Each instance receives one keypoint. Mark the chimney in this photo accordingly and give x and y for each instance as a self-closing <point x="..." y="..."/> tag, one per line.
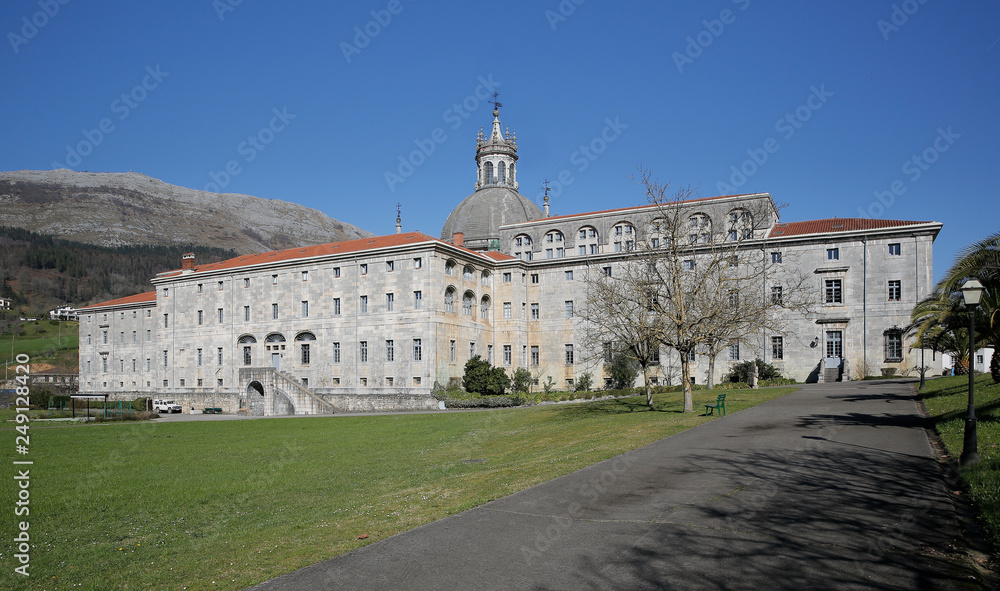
<point x="187" y="260"/>
<point x="458" y="239"/>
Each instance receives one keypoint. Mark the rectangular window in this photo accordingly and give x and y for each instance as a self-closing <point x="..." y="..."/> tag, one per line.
<point x="274" y="279"/>
<point x="506" y="277"/>
<point x="534" y="311"/>
<point x="218" y="356"/>
<point x="418" y="300"/>
<point x="364" y="304"/>
<point x="305" y="276"/>
<point x="560" y="252"/>
<point x="418" y="350"/>
<point x="607" y="271"/>
<point x="390" y="266"/>
<point x="246" y="283"/>
<point x="166" y="293"/>
<point x="534" y="355"/>
<point x="165" y="358"/>
<point x="364" y="352"/>
<point x="654" y="355"/>
<point x="569" y="354"/>
<point x="104" y="337"/>
<point x="364" y="268"/>
<point x="895" y="249"/>
<point x="777" y="347"/>
<point x="121" y="337"/>
<point x="304" y="353"/>
<point x="489" y="354"/>
<point x="336" y="352"/>
<point x="305" y="308"/>
<point x="220" y="285"/>
<point x="336" y="306"/>
<point x="221" y="315"/>
<point x="833" y="254"/>
<point x="734" y="352"/>
<point x="149" y="364"/>
<point x="895" y="290"/>
<point x="834" y="343"/>
<point x="247" y="356"/>
<point x="524" y="355"/>
<point x="246" y="313"/>
<point x="893" y="346"/>
<point x="390" y="350"/>
<point x="274" y="311"/>
<point x="418" y="263"/>
<point x="149" y="336"/>
<point x="472" y="349"/>
<point x="506" y="355"/>
<point x="534" y="278"/>
<point x="390" y="299"/>
<point x="569" y="275"/>
<point x="833" y="292"/>
<point x="451" y="350"/>
<point x="199" y="357"/>
<point x="569" y="308"/>
<point x="776" y="295"/>
<point x="200" y="317"/>
<point x="775" y="257"/>
<point x="506" y="310"/>
<point x="336" y="272"/>
<point x="166" y="321"/>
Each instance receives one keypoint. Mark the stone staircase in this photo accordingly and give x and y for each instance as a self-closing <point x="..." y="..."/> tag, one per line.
<point x="283" y="394"/>
<point x="302" y="399"/>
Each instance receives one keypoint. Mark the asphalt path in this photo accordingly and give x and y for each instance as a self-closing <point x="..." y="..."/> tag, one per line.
<point x="836" y="486"/>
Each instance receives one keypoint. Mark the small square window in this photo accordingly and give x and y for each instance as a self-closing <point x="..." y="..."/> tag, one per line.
<point x="569" y="275"/>
<point x="534" y="278"/>
<point x="833" y="254"/>
<point x="506" y="277"/>
<point x="895" y="249"/>
<point x="418" y="263"/>
<point x="775" y="257"/>
<point x="390" y="266"/>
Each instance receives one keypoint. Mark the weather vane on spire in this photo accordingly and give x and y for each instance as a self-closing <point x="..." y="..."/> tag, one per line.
<point x="496" y="103"/>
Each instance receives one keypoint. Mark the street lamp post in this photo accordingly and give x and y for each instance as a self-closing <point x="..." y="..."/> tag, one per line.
<point x="972" y="292"/>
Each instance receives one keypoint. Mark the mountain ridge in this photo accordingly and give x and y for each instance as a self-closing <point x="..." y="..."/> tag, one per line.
<point x="129" y="208"/>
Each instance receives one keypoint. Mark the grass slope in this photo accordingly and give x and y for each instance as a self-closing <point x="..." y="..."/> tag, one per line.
<point x="41" y="337"/>
<point x="225" y="505"/>
<point x="946" y="400"/>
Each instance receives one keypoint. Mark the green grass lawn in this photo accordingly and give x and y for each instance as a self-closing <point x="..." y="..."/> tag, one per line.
<point x="947" y="400"/>
<point x="40" y="337"/>
<point x="225" y="505"/>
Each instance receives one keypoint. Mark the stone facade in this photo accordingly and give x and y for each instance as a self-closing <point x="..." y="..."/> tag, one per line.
<point x="377" y="324"/>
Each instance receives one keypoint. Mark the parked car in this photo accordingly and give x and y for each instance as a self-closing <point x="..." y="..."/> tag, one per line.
<point x="166" y="406"/>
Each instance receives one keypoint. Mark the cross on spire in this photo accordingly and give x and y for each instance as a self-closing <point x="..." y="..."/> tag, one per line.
<point x="496" y="103"/>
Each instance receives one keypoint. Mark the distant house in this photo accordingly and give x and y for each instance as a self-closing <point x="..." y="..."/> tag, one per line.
<point x="5" y="303"/>
<point x="55" y="380"/>
<point x="64" y="313"/>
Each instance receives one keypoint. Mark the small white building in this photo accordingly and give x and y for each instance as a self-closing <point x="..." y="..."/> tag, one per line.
<point x="981" y="362"/>
<point x="64" y="313"/>
<point x="5" y="303"/>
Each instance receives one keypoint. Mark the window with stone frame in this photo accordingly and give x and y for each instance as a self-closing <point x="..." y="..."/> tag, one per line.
<point x="893" y="345"/>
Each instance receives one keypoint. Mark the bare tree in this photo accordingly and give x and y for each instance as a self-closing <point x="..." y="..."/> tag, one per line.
<point x="692" y="281"/>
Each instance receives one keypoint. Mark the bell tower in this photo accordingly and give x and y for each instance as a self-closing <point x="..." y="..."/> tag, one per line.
<point x="496" y="157"/>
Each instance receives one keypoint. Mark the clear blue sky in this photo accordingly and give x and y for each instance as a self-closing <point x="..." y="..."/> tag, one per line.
<point x="839" y="97"/>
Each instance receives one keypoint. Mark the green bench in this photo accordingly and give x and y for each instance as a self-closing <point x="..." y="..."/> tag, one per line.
<point x="213" y="411"/>
<point x="720" y="404"/>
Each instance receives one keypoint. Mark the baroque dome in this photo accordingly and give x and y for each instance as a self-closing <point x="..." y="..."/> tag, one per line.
<point x="480" y="215"/>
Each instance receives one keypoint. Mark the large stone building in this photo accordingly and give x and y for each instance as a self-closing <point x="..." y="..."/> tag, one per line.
<point x="379" y="323"/>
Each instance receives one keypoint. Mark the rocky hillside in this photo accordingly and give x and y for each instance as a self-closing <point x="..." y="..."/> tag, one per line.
<point x="122" y="209"/>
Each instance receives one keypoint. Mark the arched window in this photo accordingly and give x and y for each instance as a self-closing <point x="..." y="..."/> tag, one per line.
<point x="449" y="300"/>
<point x="485" y="278"/>
<point x="275" y="337"/>
<point x="305" y="336"/>
<point x="740" y="225"/>
<point x="623" y="235"/>
<point x="502" y="172"/>
<point x="468" y="273"/>
<point x="449" y="268"/>
<point x="305" y="350"/>
<point x="489" y="173"/>
<point x="484" y="309"/>
<point x="246" y="342"/>
<point x="468" y="303"/>
<point x="588" y="241"/>
<point x="521" y="247"/>
<point x="512" y="177"/>
<point x="700" y="229"/>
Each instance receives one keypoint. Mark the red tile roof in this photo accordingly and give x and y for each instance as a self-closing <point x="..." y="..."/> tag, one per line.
<point x="634" y="207"/>
<point x="834" y="225"/>
<point x="497" y="255"/>
<point x="330" y="248"/>
<point x="141" y="298"/>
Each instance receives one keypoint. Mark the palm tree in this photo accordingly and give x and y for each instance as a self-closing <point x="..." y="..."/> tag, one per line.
<point x="942" y="312"/>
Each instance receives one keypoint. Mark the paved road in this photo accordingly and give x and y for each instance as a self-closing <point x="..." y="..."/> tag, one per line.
<point x="832" y="487"/>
